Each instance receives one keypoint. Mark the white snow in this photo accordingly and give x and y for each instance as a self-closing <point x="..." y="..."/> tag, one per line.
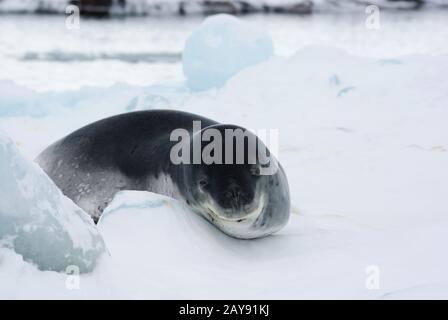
<point x="314" y="257"/>
<point x="220" y="47"/>
<point x="364" y="144"/>
<point x="38" y="222"/>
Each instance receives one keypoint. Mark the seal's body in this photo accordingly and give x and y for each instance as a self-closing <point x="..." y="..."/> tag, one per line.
<point x="133" y="151"/>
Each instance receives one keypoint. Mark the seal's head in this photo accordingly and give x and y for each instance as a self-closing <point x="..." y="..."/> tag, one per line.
<point x="236" y="183"/>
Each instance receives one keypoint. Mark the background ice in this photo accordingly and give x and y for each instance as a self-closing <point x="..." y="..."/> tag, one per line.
<point x="220" y="47"/>
<point x="38" y="222"/>
<point x="28" y="62"/>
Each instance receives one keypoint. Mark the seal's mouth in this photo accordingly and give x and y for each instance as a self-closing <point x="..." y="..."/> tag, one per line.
<point x="252" y="215"/>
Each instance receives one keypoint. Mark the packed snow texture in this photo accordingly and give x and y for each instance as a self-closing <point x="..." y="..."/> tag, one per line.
<point x="364" y="144"/>
<point x="220" y="47"/>
<point x="38" y="222"/>
<point x="313" y="257"/>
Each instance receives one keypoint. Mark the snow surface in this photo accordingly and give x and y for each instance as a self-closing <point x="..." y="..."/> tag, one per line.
<point x="38" y="222"/>
<point x="314" y="257"/>
<point x="220" y="47"/>
<point x="363" y="142"/>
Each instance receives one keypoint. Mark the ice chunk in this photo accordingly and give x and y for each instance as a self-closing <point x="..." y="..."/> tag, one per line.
<point x="163" y="227"/>
<point x="18" y="100"/>
<point x="38" y="221"/>
<point x="222" y="46"/>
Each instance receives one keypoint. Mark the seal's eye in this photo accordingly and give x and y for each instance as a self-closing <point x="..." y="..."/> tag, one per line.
<point x="255" y="170"/>
<point x="203" y="182"/>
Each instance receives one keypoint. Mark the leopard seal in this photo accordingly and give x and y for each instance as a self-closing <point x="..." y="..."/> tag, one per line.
<point x="134" y="151"/>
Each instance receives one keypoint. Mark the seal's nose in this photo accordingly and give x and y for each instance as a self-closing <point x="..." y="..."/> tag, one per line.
<point x="236" y="196"/>
<point x="234" y="192"/>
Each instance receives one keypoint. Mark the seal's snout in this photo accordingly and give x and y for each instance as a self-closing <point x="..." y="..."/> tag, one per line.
<point x="241" y="212"/>
<point x="236" y="198"/>
<point x="235" y="191"/>
<point x="235" y="201"/>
